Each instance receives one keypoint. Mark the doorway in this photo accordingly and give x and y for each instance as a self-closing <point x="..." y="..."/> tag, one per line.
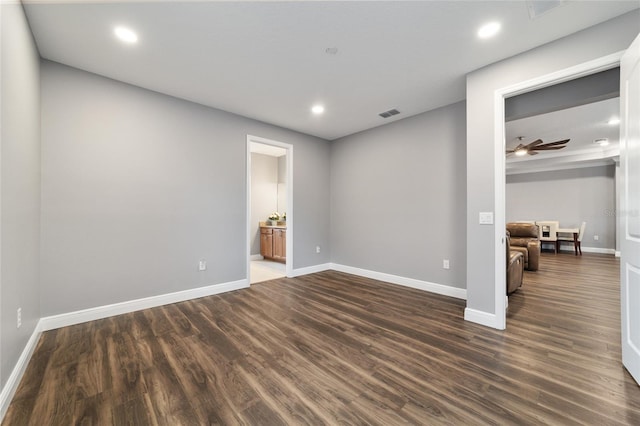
<point x="500" y="95"/>
<point x="269" y="197"/>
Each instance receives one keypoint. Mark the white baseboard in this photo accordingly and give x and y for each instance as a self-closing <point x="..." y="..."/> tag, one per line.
<point x="590" y="250"/>
<point x="256" y="257"/>
<point x="445" y="290"/>
<point x="482" y="318"/>
<point x="91" y="314"/>
<point x="311" y="269"/>
<point x="10" y="387"/>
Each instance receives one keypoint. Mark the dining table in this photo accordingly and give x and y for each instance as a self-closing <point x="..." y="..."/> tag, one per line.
<point x="574" y="231"/>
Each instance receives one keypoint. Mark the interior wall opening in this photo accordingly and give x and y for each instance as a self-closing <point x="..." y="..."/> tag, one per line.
<point x="269" y="206"/>
<point x="537" y="120"/>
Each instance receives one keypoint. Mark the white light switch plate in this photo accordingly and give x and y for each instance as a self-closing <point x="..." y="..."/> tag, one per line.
<point x="486" y="218"/>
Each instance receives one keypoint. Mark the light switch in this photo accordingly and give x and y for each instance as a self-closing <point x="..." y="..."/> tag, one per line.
<point x="486" y="218"/>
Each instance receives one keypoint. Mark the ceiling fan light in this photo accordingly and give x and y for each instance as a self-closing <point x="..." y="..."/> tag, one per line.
<point x="521" y="152"/>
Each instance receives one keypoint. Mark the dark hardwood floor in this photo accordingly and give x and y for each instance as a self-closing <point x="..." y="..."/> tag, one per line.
<point x="332" y="348"/>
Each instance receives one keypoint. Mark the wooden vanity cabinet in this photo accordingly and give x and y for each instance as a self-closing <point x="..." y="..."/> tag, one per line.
<point x="266" y="242"/>
<point x="273" y="243"/>
<point x="280" y="244"/>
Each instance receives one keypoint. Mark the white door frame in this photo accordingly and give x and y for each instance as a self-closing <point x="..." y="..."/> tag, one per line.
<point x="289" y="241"/>
<point x="630" y="235"/>
<point x="560" y="76"/>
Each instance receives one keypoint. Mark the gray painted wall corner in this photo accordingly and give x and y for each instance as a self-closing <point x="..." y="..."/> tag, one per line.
<point x="398" y="195"/>
<point x="20" y="192"/>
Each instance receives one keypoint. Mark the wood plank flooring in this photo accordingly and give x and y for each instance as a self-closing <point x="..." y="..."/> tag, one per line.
<point x="332" y="348"/>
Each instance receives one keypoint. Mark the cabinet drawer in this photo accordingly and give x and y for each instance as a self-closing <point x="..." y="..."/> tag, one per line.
<point x="266" y="231"/>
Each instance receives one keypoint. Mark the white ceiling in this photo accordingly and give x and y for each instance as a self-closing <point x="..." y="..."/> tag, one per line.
<point x="268" y="60"/>
<point x="582" y="124"/>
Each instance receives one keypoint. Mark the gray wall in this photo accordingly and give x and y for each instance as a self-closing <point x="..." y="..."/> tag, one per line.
<point x="264" y="193"/>
<point x="398" y="197"/>
<point x="569" y="196"/>
<point x="138" y="186"/>
<point x="604" y="39"/>
<point x="20" y="180"/>
<point x="282" y="184"/>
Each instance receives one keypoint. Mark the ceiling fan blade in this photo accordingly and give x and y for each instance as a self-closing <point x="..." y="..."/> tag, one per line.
<point x="554" y="143"/>
<point x="558" y="142"/>
<point x="532" y="153"/>
<point x="549" y="144"/>
<point x="548" y="148"/>
<point x="534" y="143"/>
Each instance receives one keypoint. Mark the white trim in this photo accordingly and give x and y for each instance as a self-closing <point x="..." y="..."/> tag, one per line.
<point x="617" y="253"/>
<point x="99" y="312"/>
<point x="482" y="318"/>
<point x="566" y="74"/>
<point x="445" y="290"/>
<point x="1" y="144"/>
<point x="600" y="250"/>
<point x="500" y="272"/>
<point x="256" y="257"/>
<point x="311" y="269"/>
<point x="289" y="242"/>
<point x="9" y="389"/>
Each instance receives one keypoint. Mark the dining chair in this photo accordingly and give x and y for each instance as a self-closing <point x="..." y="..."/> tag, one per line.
<point x="569" y="238"/>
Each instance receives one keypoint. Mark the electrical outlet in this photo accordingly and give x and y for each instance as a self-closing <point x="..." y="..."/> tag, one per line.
<point x="595" y="237"/>
<point x="202" y="265"/>
<point x="317" y="249"/>
<point x="445" y="263"/>
<point x="19" y="317"/>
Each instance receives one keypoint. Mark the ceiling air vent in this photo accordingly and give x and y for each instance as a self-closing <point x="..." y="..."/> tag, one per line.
<point x="389" y="113"/>
<point x="537" y="7"/>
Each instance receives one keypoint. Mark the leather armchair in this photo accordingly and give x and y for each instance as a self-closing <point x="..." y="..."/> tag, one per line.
<point x="526" y="240"/>
<point x="515" y="268"/>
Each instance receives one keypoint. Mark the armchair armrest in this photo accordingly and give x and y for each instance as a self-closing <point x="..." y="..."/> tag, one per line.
<point x="533" y="247"/>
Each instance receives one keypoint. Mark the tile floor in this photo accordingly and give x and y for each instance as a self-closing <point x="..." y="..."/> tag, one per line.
<point x="265" y="270"/>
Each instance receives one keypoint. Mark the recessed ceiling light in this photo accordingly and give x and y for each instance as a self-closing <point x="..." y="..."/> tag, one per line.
<point x="602" y="142"/>
<point x="614" y="120"/>
<point x="125" y="34"/>
<point x="317" y="109"/>
<point x="489" y="30"/>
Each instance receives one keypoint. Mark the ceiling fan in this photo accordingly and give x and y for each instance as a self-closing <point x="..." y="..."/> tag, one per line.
<point x="535" y="146"/>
